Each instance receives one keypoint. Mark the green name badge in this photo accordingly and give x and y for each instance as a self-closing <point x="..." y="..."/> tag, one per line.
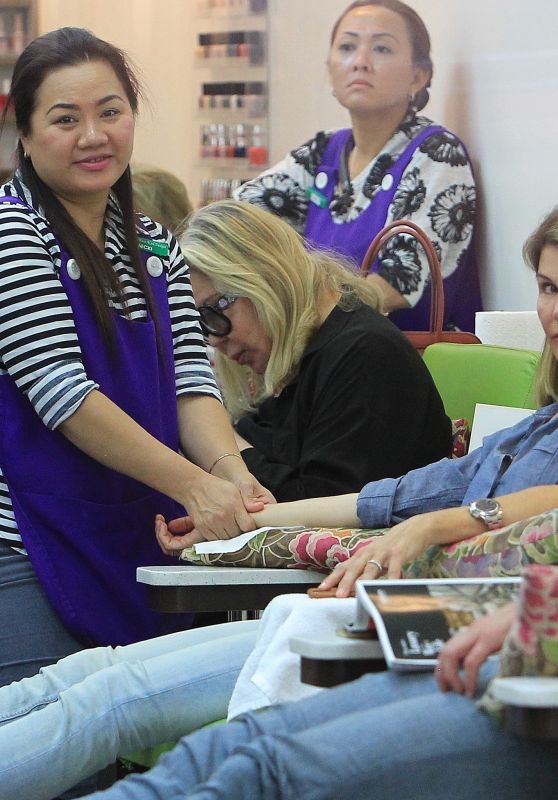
<point x="316" y="197"/>
<point x="150" y="246"/>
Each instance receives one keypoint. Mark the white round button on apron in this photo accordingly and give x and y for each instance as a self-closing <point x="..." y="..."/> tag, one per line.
<point x="387" y="182"/>
<point x="73" y="269"/>
<point x="320" y="181"/>
<point x="154" y="266"/>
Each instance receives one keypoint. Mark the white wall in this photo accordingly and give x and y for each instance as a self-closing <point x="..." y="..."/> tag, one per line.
<point x="495" y="84"/>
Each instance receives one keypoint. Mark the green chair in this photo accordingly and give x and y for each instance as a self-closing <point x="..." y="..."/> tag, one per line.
<point x="467" y="374"/>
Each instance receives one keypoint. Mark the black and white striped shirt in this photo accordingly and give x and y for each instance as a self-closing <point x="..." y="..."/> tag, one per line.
<point x="38" y="342"/>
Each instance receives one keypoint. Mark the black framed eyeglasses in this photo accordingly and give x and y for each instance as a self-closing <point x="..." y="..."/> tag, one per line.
<point x="213" y="321"/>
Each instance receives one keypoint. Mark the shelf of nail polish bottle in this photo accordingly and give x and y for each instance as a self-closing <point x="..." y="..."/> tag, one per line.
<point x="244" y="47"/>
<point x="230" y="8"/>
<point x="233" y="101"/>
<point x="230" y="57"/>
<point x="231" y="165"/>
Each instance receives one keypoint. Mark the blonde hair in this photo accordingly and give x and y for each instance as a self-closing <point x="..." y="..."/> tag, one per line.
<point x="162" y="196"/>
<point x="247" y="252"/>
<point x="544" y="236"/>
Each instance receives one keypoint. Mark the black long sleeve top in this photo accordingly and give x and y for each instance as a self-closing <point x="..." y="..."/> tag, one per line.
<point x="363" y="406"/>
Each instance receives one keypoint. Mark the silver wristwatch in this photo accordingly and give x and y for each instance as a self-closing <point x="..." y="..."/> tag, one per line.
<point x="488" y="511"/>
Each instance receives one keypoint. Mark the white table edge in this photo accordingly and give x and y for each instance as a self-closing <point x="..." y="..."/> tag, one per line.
<point x="223" y="576"/>
<point x="335" y="647"/>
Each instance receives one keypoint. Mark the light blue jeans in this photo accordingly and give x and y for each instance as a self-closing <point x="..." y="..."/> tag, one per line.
<point x="388" y="735"/>
<point x="77" y="716"/>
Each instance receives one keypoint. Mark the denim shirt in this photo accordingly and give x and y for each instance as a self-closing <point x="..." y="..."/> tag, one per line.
<point x="512" y="459"/>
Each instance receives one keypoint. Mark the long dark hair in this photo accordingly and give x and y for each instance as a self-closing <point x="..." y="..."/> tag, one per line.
<point x="68" y="47"/>
<point x="418" y="35"/>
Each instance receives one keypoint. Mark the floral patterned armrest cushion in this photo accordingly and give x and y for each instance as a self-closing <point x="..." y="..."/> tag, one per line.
<point x="531" y="647"/>
<point x="494" y="553"/>
<point x="320" y="548"/>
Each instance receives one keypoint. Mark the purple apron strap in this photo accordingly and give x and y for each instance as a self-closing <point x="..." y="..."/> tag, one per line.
<point x="351" y="239"/>
<point x="85" y="526"/>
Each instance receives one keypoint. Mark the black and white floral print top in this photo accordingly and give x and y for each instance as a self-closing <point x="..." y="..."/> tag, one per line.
<point x="437" y="191"/>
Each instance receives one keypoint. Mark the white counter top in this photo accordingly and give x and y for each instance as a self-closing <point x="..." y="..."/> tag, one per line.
<point x="224" y="576"/>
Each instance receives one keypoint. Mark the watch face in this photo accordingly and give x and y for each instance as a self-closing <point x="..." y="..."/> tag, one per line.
<point x="487" y="506"/>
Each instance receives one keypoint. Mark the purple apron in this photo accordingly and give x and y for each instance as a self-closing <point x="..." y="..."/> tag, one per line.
<point x="86" y="527"/>
<point x="461" y="288"/>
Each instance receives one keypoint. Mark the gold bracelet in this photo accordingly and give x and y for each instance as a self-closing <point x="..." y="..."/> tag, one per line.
<point x="225" y="455"/>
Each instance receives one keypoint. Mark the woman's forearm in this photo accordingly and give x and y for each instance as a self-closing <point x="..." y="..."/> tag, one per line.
<point x="528" y="502"/>
<point x="208" y="439"/>
<point x="453" y="524"/>
<point x="319" y="512"/>
<point x="206" y="433"/>
<point x="446" y="526"/>
<point x="107" y="434"/>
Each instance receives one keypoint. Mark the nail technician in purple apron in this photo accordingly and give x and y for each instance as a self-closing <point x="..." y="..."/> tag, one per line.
<point x="86" y="528"/>
<point x="90" y="423"/>
<point x="352" y="238"/>
<point x="340" y="189"/>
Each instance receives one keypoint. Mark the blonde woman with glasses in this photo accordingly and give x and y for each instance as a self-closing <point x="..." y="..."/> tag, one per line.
<point x="325" y="392"/>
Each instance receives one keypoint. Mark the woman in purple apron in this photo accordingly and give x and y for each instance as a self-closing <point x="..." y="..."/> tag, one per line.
<point x="341" y="188"/>
<point x="98" y="337"/>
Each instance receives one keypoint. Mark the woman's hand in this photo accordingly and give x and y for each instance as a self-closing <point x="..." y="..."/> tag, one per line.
<point x="460" y="658"/>
<point x="212" y="516"/>
<point x="171" y="537"/>
<point x="254" y="495"/>
<point x="177" y="534"/>
<point x="233" y="469"/>
<point x="218" y="509"/>
<point x="391" y="551"/>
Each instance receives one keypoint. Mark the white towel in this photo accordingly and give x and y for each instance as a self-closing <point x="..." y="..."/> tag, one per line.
<point x="271" y="674"/>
